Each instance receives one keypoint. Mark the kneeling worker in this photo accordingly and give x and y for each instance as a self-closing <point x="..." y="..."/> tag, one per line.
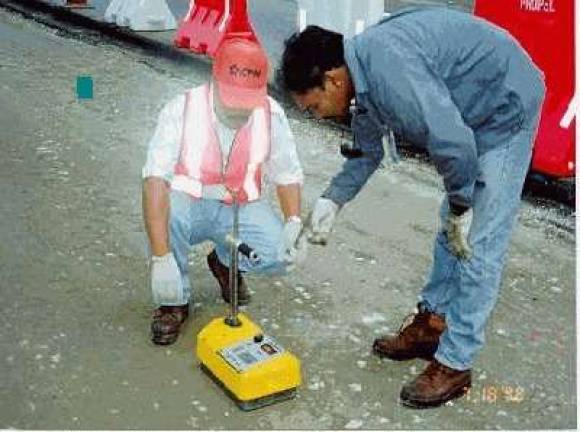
<point x="221" y="137"/>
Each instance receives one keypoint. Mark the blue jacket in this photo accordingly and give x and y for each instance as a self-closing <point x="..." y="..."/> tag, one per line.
<point x="443" y="80"/>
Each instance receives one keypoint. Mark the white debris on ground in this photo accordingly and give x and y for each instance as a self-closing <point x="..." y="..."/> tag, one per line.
<point x="354" y="424"/>
<point x="316" y="384"/>
<point x="373" y="318"/>
<point x="355" y="387"/>
<point x="361" y="364"/>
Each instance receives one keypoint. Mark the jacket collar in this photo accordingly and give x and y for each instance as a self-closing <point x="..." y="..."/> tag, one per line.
<point x="354" y="68"/>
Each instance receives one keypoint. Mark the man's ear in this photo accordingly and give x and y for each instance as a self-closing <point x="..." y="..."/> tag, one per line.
<point x="333" y="77"/>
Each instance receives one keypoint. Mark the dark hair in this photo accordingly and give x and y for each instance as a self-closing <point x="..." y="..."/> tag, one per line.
<point x="307" y="56"/>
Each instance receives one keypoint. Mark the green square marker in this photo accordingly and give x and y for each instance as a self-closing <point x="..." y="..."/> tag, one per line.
<point x="84" y="87"/>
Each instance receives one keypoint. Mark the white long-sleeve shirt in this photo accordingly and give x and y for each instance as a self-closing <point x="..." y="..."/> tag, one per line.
<point x="282" y="168"/>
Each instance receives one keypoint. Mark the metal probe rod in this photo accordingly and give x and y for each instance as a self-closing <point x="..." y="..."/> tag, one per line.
<point x="232" y="319"/>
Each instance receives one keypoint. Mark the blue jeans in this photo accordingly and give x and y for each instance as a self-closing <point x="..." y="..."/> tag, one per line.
<point x="465" y="291"/>
<point x="196" y="221"/>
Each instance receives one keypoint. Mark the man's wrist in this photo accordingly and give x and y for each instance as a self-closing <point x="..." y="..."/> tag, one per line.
<point x="329" y="197"/>
<point x="161" y="258"/>
<point x="159" y="248"/>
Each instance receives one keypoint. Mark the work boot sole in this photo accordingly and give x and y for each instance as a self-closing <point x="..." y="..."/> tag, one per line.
<point x="392" y="356"/>
<point x="164" y="339"/>
<point x="423" y="404"/>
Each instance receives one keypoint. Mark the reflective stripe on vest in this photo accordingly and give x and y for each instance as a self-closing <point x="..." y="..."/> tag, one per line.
<point x="200" y="159"/>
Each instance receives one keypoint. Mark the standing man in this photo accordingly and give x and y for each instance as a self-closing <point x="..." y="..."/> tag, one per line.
<point x="216" y="143"/>
<point x="465" y="91"/>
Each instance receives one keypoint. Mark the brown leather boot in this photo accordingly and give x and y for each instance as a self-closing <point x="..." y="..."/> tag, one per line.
<point x="166" y="323"/>
<point x="435" y="386"/>
<point x="222" y="274"/>
<point x="419" y="339"/>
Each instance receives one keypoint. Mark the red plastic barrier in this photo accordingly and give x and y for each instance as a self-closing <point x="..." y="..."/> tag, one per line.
<point x="77" y="4"/>
<point x="208" y="22"/>
<point x="545" y="28"/>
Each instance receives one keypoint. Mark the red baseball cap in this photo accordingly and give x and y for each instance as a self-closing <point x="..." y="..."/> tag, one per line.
<point x="240" y="69"/>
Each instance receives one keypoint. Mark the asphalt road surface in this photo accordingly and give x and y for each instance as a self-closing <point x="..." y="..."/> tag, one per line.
<point x="74" y="345"/>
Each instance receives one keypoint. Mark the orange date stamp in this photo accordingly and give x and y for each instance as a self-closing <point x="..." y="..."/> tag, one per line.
<point x="493" y="393"/>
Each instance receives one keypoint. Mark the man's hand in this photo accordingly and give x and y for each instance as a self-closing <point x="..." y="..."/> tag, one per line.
<point x="321" y="220"/>
<point x="294" y="246"/>
<point x="165" y="279"/>
<point x="457" y="229"/>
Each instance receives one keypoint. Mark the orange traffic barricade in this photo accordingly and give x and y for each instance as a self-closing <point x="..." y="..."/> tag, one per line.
<point x="208" y="22"/>
<point x="77" y="4"/>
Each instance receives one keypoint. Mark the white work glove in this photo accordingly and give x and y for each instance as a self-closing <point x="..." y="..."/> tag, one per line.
<point x="294" y="245"/>
<point x="457" y="229"/>
<point x="321" y="220"/>
<point x="166" y="283"/>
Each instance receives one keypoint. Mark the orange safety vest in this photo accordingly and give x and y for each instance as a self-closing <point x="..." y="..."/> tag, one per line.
<point x="200" y="158"/>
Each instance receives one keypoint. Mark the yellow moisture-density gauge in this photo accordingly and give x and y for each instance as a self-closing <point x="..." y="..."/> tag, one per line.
<point x="253" y="368"/>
